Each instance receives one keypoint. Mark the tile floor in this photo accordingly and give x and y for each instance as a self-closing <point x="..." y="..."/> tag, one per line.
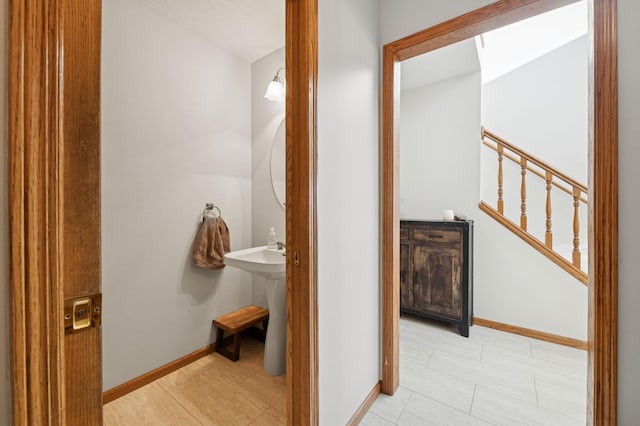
<point x="491" y="378"/>
<point x="210" y="391"/>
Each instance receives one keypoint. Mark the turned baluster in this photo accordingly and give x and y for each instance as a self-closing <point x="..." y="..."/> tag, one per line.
<point x="548" y="236"/>
<point x="576" y="228"/>
<point x="500" y="200"/>
<point x="523" y="194"/>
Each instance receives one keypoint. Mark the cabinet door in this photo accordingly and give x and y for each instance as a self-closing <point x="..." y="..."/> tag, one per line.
<point x="437" y="280"/>
<point x="405" y="287"/>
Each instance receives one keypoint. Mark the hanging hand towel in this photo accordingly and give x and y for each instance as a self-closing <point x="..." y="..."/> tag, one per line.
<point x="211" y="243"/>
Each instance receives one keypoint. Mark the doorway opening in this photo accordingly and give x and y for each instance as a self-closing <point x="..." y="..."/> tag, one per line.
<point x="602" y="185"/>
<point x="54" y="197"/>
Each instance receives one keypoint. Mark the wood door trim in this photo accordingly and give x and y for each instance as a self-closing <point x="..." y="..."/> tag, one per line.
<point x="603" y="201"/>
<point x="37" y="365"/>
<point x="603" y="215"/>
<point x="301" y="52"/>
<point x="35" y="163"/>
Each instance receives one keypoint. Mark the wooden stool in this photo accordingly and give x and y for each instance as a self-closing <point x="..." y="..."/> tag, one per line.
<point x="236" y="322"/>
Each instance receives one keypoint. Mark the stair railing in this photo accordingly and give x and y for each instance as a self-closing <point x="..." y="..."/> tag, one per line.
<point x="552" y="178"/>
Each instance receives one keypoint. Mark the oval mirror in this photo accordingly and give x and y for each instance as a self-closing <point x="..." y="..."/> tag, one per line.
<point x="278" y="163"/>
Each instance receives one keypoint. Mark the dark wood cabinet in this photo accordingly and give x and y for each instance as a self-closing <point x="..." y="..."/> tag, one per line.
<point x="436" y="271"/>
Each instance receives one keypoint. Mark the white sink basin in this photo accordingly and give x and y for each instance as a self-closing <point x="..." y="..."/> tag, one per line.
<point x="267" y="263"/>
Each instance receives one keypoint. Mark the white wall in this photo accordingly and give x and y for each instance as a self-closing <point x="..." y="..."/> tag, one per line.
<point x="348" y="205"/>
<point x="439" y="169"/>
<point x="629" y="175"/>
<point x="176" y="133"/>
<point x="5" y="402"/>
<point x="542" y="108"/>
<point x="266" y="117"/>
<point x="400" y="18"/>
<point x="439" y="149"/>
<point x="514" y="284"/>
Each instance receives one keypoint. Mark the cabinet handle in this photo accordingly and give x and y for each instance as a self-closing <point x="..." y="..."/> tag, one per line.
<point x="436" y="236"/>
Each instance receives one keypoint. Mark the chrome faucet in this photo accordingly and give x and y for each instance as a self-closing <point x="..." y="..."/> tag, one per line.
<point x="281" y="245"/>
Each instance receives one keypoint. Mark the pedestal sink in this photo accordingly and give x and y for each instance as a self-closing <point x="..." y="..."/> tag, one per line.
<point x="270" y="264"/>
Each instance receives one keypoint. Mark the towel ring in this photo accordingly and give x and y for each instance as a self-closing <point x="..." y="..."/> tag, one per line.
<point x="209" y="207"/>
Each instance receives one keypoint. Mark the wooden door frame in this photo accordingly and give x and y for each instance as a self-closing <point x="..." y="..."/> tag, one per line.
<point x="603" y="184"/>
<point x="36" y="160"/>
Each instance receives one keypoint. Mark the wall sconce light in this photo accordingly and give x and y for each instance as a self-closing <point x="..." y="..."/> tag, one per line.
<point x="275" y="90"/>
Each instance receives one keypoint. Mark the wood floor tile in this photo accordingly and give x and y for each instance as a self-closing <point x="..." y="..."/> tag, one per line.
<point x="371" y="419"/>
<point x="443" y="339"/>
<point x="511" y="382"/>
<point x="501" y="409"/>
<point x="445" y="388"/>
<point x="525" y="363"/>
<point x="411" y="350"/>
<point x="563" y="397"/>
<point x="149" y="405"/>
<point x="425" y="411"/>
<point x="210" y="391"/>
<point x="517" y="380"/>
<point x="270" y="389"/>
<point x="223" y="367"/>
<point x="216" y="400"/>
<point x="390" y="407"/>
<point x="499" y="339"/>
<point x="271" y="417"/>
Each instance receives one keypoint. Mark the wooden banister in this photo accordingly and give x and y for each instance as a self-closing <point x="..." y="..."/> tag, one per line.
<point x="534" y="160"/>
<point x="548" y="235"/>
<point x="576" y="228"/>
<point x="500" y="177"/>
<point x="529" y="168"/>
<point x="550" y="254"/>
<point x="523" y="193"/>
<point x="552" y="178"/>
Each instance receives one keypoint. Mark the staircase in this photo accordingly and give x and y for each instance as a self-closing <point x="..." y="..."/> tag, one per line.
<point x="568" y="253"/>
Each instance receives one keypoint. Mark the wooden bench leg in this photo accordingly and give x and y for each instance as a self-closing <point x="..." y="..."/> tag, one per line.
<point x="236" y="347"/>
<point x="234" y="354"/>
<point x="219" y="338"/>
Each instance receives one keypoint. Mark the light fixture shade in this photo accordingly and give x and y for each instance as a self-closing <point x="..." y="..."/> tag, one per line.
<point x="275" y="92"/>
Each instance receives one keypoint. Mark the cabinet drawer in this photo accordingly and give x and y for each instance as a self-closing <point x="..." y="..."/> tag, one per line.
<point x="447" y="236"/>
<point x="404" y="234"/>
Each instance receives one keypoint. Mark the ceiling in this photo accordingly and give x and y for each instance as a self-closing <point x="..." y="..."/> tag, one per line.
<point x="249" y="29"/>
<point x="512" y="46"/>
<point x="447" y="62"/>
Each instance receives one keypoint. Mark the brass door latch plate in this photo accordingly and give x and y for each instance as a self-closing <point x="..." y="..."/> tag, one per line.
<point x="82" y="313"/>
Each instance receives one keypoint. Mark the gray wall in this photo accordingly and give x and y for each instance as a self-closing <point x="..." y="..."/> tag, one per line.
<point x="629" y="176"/>
<point x="176" y="133"/>
<point x="4" y="220"/>
<point x="348" y="205"/>
<point x="266" y="117"/>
